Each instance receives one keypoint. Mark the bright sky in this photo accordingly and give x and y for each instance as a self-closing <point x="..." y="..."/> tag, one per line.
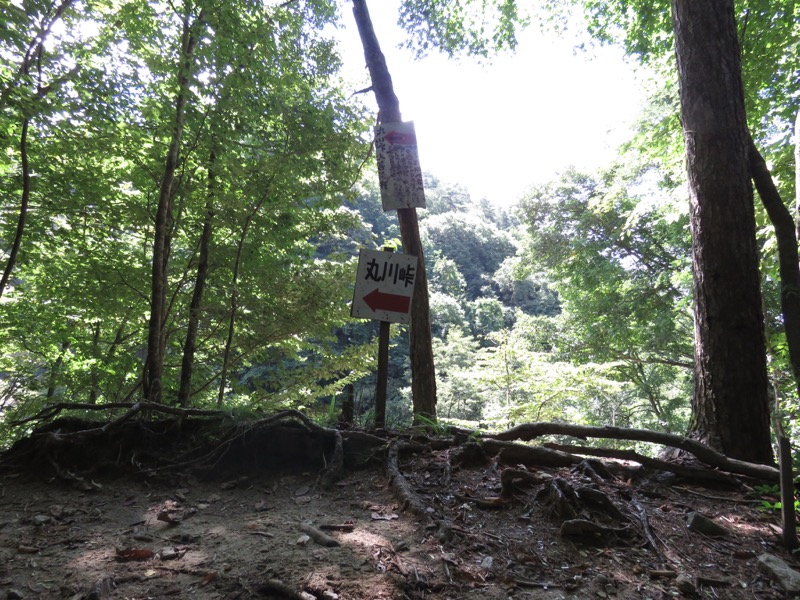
<point x="498" y="129"/>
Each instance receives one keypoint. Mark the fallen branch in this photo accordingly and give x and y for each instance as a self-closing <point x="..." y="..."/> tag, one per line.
<point x="693" y="473"/>
<point x="586" y="528"/>
<point x="531" y="431"/>
<point x="648" y="532"/>
<point x="321" y="538"/>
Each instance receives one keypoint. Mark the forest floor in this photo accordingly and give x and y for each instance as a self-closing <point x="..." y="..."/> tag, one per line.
<point x="95" y="519"/>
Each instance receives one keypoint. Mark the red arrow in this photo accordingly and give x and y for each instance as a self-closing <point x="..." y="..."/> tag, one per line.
<point x="396" y="137"/>
<point x="378" y="300"/>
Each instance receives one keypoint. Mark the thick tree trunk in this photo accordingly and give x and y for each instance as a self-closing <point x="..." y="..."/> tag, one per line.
<point x="423" y="374"/>
<point x="730" y="405"/>
<point x="152" y="379"/>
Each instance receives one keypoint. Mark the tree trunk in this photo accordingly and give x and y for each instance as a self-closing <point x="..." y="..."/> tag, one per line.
<point x="785" y="234"/>
<point x="154" y="368"/>
<point x="348" y="405"/>
<point x="33" y="52"/>
<point x="797" y="171"/>
<point x="730" y="408"/>
<point x="23" y="207"/>
<point x="234" y="311"/>
<point x="190" y="345"/>
<point x="423" y="374"/>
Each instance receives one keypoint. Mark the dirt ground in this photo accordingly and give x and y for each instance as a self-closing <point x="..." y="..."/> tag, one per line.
<point x="134" y="533"/>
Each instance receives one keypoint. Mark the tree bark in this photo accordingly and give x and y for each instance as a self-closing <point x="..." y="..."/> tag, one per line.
<point x="152" y="379"/>
<point x="423" y="374"/>
<point x="190" y="345"/>
<point x="797" y="171"/>
<point x="23" y="207"/>
<point x="785" y="234"/>
<point x="730" y="408"/>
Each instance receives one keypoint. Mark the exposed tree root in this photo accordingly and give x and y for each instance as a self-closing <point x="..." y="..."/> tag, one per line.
<point x="216" y="435"/>
<point x="647" y="530"/>
<point x="689" y="472"/>
<point x="511" y="479"/>
<point x="409" y="499"/>
<point x="533" y="456"/>
<point x="400" y="487"/>
<point x="531" y="431"/>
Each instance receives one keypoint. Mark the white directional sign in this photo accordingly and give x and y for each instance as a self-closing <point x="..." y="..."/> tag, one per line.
<point x="384" y="286"/>
<point x="399" y="172"/>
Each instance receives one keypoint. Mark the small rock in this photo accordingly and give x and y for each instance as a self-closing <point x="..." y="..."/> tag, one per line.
<point x="303" y="540"/>
<point x="14" y="595"/>
<point x="168" y="554"/>
<point x="487" y="563"/>
<point x="685" y="584"/>
<point x="702" y="524"/>
<point x="40" y="520"/>
<point x="788" y="578"/>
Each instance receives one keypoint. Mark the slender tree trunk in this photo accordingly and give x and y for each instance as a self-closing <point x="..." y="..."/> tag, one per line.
<point x="797" y="172"/>
<point x="33" y="52"/>
<point x="190" y="345"/>
<point x="785" y="234"/>
<point x="423" y="375"/>
<point x="23" y="207"/>
<point x="346" y="417"/>
<point x="55" y="372"/>
<point x="154" y="368"/>
<point x="226" y="355"/>
<point x="94" y="388"/>
<point x="730" y="407"/>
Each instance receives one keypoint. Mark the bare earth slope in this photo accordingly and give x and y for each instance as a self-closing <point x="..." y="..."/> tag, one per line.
<point x="68" y="530"/>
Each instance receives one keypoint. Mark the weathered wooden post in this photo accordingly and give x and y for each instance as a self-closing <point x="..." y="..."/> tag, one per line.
<point x="423" y="380"/>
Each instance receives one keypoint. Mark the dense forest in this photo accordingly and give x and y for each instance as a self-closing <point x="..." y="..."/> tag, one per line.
<point x="184" y="188"/>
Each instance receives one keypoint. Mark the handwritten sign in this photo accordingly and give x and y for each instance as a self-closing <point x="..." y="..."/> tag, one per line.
<point x="399" y="171"/>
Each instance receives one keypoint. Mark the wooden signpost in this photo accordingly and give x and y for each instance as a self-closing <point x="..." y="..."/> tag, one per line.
<point x="399" y="143"/>
<point x="383" y="292"/>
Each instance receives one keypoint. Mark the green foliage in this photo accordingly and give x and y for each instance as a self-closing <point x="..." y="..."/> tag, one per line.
<point x="771" y="505"/>
<point x="477" y="247"/>
<point x="471" y="27"/>
<point x="271" y="146"/>
<point x="459" y="391"/>
<point x="619" y="260"/>
<point x="583" y="316"/>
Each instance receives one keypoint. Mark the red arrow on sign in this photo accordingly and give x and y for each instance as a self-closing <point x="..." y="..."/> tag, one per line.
<point x="378" y="300"/>
<point x="396" y="137"/>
